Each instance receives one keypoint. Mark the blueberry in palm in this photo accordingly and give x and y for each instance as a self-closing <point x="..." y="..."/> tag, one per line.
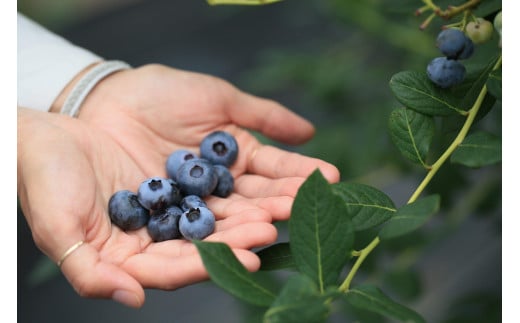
<point x="197" y="223"/>
<point x="176" y="159"/>
<point x="197" y="177"/>
<point x="156" y="193"/>
<point x="225" y="182"/>
<point x="164" y="224"/>
<point x="126" y="212"/>
<point x="219" y="147"/>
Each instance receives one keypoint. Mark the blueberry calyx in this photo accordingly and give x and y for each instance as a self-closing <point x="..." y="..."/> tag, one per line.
<point x="196" y="171"/>
<point x="155" y="184"/>
<point x="220" y="148"/>
<point x="193" y="214"/>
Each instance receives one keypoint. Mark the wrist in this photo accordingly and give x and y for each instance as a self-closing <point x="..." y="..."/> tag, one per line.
<point x="60" y="100"/>
<point x="78" y="89"/>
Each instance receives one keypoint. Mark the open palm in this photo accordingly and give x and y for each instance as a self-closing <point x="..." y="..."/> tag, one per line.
<point x="127" y="127"/>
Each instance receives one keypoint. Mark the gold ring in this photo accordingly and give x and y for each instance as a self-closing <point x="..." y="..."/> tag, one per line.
<point x="250" y="160"/>
<point x="69" y="251"/>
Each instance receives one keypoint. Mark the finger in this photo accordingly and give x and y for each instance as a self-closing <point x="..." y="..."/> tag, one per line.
<point x="169" y="273"/>
<point x="279" y="207"/>
<point x="246" y="235"/>
<point x="101" y="280"/>
<point x="255" y="186"/>
<point x="270" y="118"/>
<point x="226" y="207"/>
<point x="241" y="235"/>
<point x="274" y="162"/>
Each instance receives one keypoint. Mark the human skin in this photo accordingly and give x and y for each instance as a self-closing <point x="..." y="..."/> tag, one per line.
<point x="131" y="121"/>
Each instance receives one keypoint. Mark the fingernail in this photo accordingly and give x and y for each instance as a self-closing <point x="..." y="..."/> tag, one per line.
<point x="125" y="297"/>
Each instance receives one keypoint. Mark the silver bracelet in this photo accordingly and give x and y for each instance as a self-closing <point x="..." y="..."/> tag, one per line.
<point x="87" y="82"/>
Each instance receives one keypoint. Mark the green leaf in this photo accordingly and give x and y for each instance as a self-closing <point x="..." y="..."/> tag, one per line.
<point x="416" y="91"/>
<point x="228" y="273"/>
<point x="478" y="149"/>
<point x="403" y="282"/>
<point x="299" y="300"/>
<point x="494" y="84"/>
<point x="487" y="7"/>
<point x="410" y="217"/>
<point x="276" y="256"/>
<point x="468" y="91"/>
<point x="371" y="298"/>
<point x="320" y="231"/>
<point x="412" y="132"/>
<point x="367" y="206"/>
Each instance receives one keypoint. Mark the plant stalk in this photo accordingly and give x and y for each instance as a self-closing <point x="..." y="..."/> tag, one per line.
<point x="433" y="170"/>
<point x="364" y="253"/>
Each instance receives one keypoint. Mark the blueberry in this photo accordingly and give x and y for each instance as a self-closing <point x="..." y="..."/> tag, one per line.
<point x="468" y="50"/>
<point x="164" y="224"/>
<point x="156" y="193"/>
<point x="480" y="30"/>
<point x="191" y="202"/>
<point x="197" y="223"/>
<point x="176" y="192"/>
<point x="225" y="181"/>
<point x="219" y="147"/>
<point x="454" y="44"/>
<point x="176" y="159"/>
<point x="197" y="177"/>
<point x="445" y="72"/>
<point x="126" y="212"/>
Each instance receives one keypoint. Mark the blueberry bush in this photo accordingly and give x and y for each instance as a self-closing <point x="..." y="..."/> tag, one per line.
<point x="335" y="230"/>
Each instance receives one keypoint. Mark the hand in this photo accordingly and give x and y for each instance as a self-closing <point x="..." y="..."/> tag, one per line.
<point x="129" y="124"/>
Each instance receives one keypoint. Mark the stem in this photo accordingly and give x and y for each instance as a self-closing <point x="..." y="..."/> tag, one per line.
<point x="355" y="253"/>
<point x="364" y="253"/>
<point x="427" y="21"/>
<point x="433" y="170"/>
<point x="453" y="11"/>
<point x="421" y="10"/>
<point x="456" y="142"/>
<point x="432" y="5"/>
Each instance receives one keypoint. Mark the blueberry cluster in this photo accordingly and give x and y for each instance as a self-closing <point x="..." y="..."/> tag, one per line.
<point x="447" y="70"/>
<point x="173" y="207"/>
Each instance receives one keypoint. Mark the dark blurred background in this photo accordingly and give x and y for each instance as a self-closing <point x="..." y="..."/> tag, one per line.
<point x="331" y="62"/>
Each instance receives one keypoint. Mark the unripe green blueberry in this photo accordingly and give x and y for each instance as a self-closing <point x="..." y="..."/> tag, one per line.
<point x="479" y="31"/>
<point x="497" y="22"/>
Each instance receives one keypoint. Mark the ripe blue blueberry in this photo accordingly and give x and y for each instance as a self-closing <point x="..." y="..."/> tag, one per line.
<point x="156" y="193"/>
<point x="192" y="202"/>
<point x="164" y="224"/>
<point x="225" y="182"/>
<point x="197" y="223"/>
<point x="126" y="212"/>
<point x="468" y="50"/>
<point x="176" y="159"/>
<point x="445" y="72"/>
<point x="219" y="147"/>
<point x="454" y="44"/>
<point x="176" y="192"/>
<point x="197" y="177"/>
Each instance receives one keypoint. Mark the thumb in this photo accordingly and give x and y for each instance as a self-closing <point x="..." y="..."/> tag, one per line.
<point x="92" y="278"/>
<point x="270" y="118"/>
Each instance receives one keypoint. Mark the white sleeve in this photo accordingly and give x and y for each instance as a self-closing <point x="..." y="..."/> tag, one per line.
<point x="46" y="64"/>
